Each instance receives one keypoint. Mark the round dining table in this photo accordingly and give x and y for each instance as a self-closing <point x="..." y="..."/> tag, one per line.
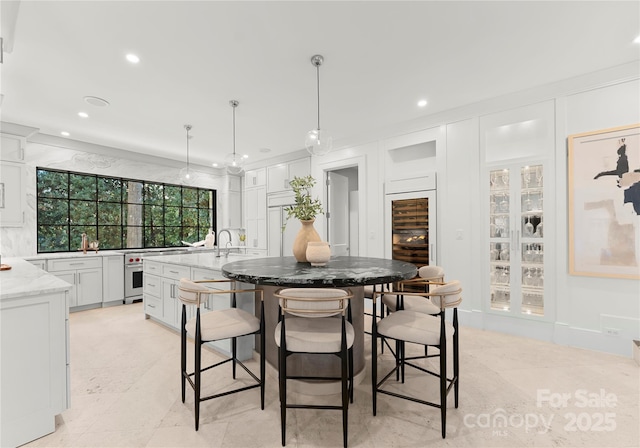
<point x="272" y="273"/>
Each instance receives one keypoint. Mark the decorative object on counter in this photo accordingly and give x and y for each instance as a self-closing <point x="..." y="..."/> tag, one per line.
<point x="318" y="143"/>
<point x="94" y="245"/>
<point x="4" y="267"/>
<point x="306" y="235"/>
<point x="305" y="209"/>
<point x="85" y="244"/>
<point x="318" y="253"/>
<point x="196" y="244"/>
<point x="233" y="162"/>
<point x="185" y="173"/>
<point x="210" y="239"/>
<point x="242" y="237"/>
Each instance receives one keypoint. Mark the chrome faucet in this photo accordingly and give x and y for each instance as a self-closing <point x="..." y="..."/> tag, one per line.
<point x="228" y="242"/>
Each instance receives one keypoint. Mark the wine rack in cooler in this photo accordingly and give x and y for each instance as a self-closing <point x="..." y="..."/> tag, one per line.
<point x="410" y="230"/>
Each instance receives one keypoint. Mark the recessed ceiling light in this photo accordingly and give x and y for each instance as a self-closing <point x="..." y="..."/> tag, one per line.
<point x="83" y="114"/>
<point x="214" y="164"/>
<point x="246" y="156"/>
<point x="265" y="150"/>
<point x="422" y="103"/>
<point x="636" y="40"/>
<point x="133" y="58"/>
<point x="95" y="101"/>
<point x="65" y="133"/>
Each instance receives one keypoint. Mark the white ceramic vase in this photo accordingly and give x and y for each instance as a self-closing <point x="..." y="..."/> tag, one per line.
<point x="318" y="253"/>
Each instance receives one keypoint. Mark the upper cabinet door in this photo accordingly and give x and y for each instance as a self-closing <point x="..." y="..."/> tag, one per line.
<point x="12" y="194"/>
<point x="279" y="176"/>
<point x="12" y="148"/>
<point x="255" y="178"/>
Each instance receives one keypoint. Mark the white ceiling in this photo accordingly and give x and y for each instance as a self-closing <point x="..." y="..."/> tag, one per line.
<point x="380" y="59"/>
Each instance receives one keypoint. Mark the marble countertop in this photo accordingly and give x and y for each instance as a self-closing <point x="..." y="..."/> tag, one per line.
<point x="90" y="253"/>
<point x="122" y="252"/>
<point x="24" y="279"/>
<point x="339" y="271"/>
<point x="207" y="260"/>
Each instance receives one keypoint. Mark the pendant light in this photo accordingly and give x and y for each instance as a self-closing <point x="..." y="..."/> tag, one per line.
<point x="233" y="162"/>
<point x="318" y="142"/>
<point x="185" y="173"/>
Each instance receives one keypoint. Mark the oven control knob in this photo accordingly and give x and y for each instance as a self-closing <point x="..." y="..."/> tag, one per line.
<point x="130" y="260"/>
<point x="137" y="259"/>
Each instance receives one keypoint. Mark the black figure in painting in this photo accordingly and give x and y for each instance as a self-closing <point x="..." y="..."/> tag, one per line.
<point x="623" y="163"/>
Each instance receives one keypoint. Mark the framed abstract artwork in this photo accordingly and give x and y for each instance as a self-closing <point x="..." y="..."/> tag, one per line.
<point x="604" y="203"/>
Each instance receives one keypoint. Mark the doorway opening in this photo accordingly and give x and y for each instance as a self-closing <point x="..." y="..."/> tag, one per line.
<point x="342" y="211"/>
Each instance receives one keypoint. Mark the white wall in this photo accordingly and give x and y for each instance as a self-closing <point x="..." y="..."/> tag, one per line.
<point x="578" y="308"/>
<point x="21" y="242"/>
<point x="591" y="304"/>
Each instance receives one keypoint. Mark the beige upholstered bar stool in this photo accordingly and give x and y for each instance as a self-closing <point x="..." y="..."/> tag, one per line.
<point x="369" y="290"/>
<point x="424" y="329"/>
<point x="427" y="276"/>
<point x="230" y="323"/>
<point x="315" y="320"/>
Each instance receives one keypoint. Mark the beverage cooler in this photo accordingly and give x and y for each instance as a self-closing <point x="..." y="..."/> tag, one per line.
<point x="411" y="227"/>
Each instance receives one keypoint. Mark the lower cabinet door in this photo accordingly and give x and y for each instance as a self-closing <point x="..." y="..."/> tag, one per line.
<point x="153" y="306"/>
<point x="89" y="286"/>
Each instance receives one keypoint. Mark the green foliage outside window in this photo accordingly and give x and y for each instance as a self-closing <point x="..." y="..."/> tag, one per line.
<point x="119" y="213"/>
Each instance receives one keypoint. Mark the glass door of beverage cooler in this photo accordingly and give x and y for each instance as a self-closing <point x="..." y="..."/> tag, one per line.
<point x="411" y="223"/>
<point x="516" y="240"/>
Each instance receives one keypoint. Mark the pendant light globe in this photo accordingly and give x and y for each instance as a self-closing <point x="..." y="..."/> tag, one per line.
<point x="318" y="142"/>
<point x="233" y="162"/>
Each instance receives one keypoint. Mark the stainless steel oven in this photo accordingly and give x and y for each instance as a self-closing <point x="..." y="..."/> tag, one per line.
<point x="133" y="278"/>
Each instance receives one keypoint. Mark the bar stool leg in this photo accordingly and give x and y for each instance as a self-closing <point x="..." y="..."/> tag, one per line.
<point x="183" y="351"/>
<point x="197" y="373"/>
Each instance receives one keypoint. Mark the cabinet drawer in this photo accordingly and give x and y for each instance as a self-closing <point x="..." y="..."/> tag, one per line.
<point x="205" y="274"/>
<point x="175" y="272"/>
<point x="153" y="306"/>
<point x="152" y="285"/>
<point x="152" y="267"/>
<point x="68" y="264"/>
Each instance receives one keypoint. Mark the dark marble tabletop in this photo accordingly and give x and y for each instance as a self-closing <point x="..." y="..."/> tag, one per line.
<point x="339" y="271"/>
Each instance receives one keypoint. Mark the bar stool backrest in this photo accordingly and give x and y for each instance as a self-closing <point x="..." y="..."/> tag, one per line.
<point x="314" y="302"/>
<point x="433" y="273"/>
<point x="447" y="296"/>
<point x="191" y="292"/>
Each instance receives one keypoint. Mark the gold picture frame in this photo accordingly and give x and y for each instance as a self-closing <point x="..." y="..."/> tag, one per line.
<point x="604" y="203"/>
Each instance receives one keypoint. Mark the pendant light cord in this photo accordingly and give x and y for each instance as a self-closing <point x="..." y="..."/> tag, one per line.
<point x="234" y="133"/>
<point x="318" y="85"/>
<point x="188" y="128"/>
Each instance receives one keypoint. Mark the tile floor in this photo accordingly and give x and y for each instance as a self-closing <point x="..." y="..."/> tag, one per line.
<point x="125" y="392"/>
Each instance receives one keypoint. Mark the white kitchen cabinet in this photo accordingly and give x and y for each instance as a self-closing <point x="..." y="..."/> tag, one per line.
<point x="12" y="194"/>
<point x="34" y="381"/>
<point x="152" y="294"/>
<point x="85" y="274"/>
<point x="256" y="217"/>
<point x="280" y="242"/>
<point x="170" y="303"/>
<point x="279" y="176"/>
<point x="113" y="278"/>
<point x="170" y="281"/>
<point x="41" y="264"/>
<point x="255" y="178"/>
<point x="12" y="148"/>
